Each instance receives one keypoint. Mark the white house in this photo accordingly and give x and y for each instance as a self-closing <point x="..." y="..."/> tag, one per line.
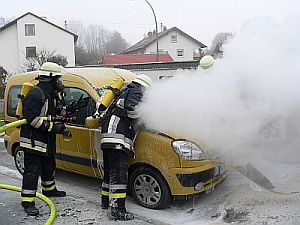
<point x="23" y="37"/>
<point x="173" y="41"/>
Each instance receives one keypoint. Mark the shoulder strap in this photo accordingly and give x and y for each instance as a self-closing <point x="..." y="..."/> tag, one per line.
<point x="42" y="93"/>
<point x="113" y="104"/>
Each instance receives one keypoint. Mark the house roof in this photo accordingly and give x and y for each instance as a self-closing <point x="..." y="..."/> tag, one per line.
<point x="135" y="58"/>
<point x="148" y="40"/>
<point x="29" y="13"/>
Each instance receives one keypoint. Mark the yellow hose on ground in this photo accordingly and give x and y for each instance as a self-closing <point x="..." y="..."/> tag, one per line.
<point x="40" y="196"/>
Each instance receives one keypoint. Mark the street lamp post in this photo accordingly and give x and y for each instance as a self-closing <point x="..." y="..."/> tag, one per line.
<point x="156" y="30"/>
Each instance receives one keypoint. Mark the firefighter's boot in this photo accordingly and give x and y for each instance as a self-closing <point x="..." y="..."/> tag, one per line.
<point x="30" y="209"/>
<point x="121" y="214"/>
<point x="54" y="193"/>
<point x="104" y="202"/>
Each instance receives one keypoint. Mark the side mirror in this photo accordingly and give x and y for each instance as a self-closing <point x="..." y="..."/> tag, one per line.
<point x="92" y="123"/>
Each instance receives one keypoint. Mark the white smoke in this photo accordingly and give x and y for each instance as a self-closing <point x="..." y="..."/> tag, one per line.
<point x="247" y="104"/>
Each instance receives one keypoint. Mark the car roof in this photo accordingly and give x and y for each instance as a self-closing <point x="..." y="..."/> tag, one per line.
<point x="97" y="76"/>
<point x="100" y="76"/>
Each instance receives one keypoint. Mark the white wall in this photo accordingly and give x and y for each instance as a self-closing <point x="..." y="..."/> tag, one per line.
<point x="13" y="42"/>
<point x="183" y="42"/>
<point x="155" y="74"/>
<point x="46" y="36"/>
<point x="9" y="55"/>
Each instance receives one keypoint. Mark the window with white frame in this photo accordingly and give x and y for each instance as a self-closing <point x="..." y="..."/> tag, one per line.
<point x="180" y="52"/>
<point x="30" y="52"/>
<point x="29" y="29"/>
<point x="173" y="38"/>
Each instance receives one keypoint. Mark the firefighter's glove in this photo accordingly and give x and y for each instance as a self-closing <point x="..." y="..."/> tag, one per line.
<point x="59" y="128"/>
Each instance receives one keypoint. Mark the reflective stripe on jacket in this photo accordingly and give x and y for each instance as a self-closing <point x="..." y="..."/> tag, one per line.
<point x="34" y="136"/>
<point x="118" y="126"/>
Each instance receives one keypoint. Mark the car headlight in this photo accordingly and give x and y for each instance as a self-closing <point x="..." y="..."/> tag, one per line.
<point x="188" y="150"/>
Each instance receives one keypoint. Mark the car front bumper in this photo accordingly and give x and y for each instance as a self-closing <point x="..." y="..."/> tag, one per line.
<point x="195" y="180"/>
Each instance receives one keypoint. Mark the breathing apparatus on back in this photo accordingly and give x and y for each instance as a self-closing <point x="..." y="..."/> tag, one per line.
<point x="49" y="72"/>
<point x="111" y="92"/>
<point x="114" y="90"/>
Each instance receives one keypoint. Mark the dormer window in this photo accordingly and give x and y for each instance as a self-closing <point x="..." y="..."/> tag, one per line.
<point x="29" y="29"/>
<point x="174" y="38"/>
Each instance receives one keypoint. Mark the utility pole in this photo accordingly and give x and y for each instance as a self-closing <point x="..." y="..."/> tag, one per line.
<point x="156" y="33"/>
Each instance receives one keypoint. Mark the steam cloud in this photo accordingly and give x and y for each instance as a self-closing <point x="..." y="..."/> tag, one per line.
<point x="246" y="105"/>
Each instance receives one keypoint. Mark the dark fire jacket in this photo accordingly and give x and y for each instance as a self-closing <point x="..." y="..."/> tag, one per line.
<point x="34" y="136"/>
<point x="118" y="131"/>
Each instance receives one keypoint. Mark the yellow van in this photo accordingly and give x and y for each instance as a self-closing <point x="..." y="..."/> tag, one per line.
<point x="165" y="167"/>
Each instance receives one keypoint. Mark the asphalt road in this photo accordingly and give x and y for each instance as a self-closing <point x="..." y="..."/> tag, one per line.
<point x="81" y="206"/>
<point x="236" y="201"/>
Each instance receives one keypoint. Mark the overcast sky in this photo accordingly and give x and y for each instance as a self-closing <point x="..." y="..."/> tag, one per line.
<point x="133" y="18"/>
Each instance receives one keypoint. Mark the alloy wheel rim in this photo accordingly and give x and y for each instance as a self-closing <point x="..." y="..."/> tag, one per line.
<point x="20" y="160"/>
<point x="147" y="189"/>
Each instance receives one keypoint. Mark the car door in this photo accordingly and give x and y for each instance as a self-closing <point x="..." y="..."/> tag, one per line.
<point x="77" y="143"/>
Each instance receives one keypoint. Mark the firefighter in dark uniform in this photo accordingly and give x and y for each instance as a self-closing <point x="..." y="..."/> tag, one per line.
<point x="118" y="132"/>
<point x="38" y="137"/>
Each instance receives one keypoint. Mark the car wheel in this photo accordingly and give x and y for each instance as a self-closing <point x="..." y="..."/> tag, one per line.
<point x="149" y="188"/>
<point x="19" y="159"/>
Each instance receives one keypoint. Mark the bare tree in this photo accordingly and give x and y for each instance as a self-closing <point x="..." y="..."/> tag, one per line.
<point x="43" y="55"/>
<point x="94" y="41"/>
<point x="220" y="39"/>
<point x="116" y="43"/>
<point x="3" y="79"/>
<point x="30" y="64"/>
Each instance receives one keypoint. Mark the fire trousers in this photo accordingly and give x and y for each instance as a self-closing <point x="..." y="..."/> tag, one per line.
<point x="114" y="184"/>
<point x="36" y="165"/>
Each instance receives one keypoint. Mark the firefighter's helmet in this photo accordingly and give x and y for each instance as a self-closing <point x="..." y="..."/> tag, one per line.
<point x="143" y="80"/>
<point x="50" y="69"/>
<point x="206" y="62"/>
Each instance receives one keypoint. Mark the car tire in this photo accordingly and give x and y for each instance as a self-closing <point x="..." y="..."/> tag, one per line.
<point x="19" y="159"/>
<point x="149" y="188"/>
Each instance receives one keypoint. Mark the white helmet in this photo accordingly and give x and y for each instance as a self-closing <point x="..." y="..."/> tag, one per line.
<point x="143" y="80"/>
<point x="50" y="69"/>
<point x="206" y="62"/>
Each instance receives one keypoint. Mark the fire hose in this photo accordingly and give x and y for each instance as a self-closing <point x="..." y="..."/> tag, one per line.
<point x="23" y="121"/>
<point x="40" y="196"/>
<point x="14" y="188"/>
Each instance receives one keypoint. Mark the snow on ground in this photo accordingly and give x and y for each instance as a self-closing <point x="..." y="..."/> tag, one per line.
<point x="236" y="201"/>
<point x="240" y="201"/>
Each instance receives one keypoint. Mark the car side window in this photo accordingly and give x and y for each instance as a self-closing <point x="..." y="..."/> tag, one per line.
<point x="73" y="94"/>
<point x="12" y="100"/>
